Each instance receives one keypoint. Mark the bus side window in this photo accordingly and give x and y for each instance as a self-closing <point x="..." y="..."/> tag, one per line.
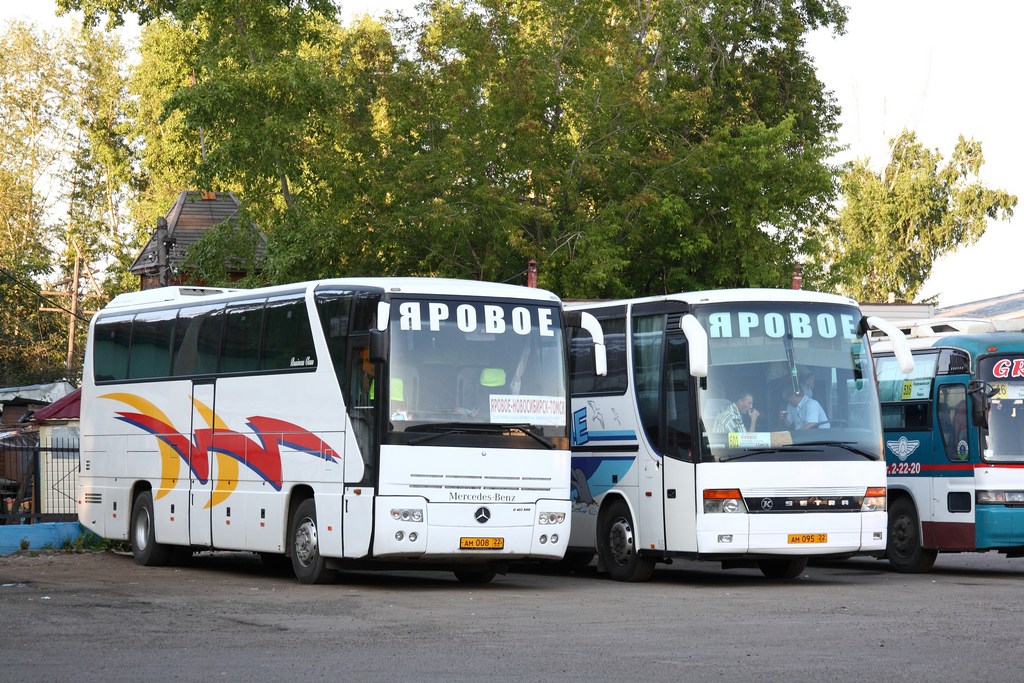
<point x="110" y="348"/>
<point x="952" y="414"/>
<point x="648" y="343"/>
<point x="678" y="439"/>
<point x="335" y="309"/>
<point x="912" y="417"/>
<point x="241" y="348"/>
<point x="151" y="345"/>
<point x="581" y="360"/>
<point x="287" y="338"/>
<point x="197" y="338"/>
<point x="359" y="396"/>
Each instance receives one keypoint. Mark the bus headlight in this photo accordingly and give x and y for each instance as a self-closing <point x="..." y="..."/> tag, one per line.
<point x="874" y="499"/>
<point x="551" y="518"/>
<point x="407" y="515"/>
<point x="723" y="500"/>
<point x="999" y="497"/>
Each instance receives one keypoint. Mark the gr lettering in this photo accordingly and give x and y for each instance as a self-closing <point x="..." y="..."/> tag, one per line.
<point x="1008" y="368"/>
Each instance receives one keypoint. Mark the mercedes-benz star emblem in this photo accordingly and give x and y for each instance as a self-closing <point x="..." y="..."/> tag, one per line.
<point x="766" y="504"/>
<point x="482" y="515"/>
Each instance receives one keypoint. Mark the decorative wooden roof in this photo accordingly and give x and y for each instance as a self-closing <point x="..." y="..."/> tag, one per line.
<point x="192" y="214"/>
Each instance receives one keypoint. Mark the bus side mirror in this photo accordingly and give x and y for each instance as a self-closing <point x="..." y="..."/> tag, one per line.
<point x="900" y="347"/>
<point x="379" y="343"/>
<point x="697" y="343"/>
<point x="586" y="321"/>
<point x="981" y="394"/>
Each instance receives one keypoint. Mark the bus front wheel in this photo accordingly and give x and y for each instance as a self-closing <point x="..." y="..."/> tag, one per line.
<point x="145" y="549"/>
<point x="475" y="576"/>
<point x="304" y="546"/>
<point x="788" y="568"/>
<point x="903" y="545"/>
<point x="616" y="544"/>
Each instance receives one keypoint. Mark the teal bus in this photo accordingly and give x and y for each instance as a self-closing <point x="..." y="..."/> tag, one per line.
<point x="954" y="440"/>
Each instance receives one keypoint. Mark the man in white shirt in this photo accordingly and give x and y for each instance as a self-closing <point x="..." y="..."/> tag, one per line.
<point x="803" y="412"/>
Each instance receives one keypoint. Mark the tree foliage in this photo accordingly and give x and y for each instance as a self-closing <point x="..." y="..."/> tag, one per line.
<point x="34" y="87"/>
<point x="67" y="167"/>
<point x="894" y="225"/>
<point x="628" y="147"/>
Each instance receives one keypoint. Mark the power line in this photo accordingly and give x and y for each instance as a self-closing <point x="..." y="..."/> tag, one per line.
<point x="32" y="290"/>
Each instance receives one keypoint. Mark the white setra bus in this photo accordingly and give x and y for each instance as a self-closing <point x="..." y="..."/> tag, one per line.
<point x="398" y="422"/>
<point x="740" y="426"/>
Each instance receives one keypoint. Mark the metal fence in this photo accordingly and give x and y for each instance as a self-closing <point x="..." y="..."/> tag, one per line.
<point x="38" y="480"/>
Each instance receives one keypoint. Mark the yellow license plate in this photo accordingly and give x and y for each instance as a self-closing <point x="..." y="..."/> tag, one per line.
<point x="481" y="543"/>
<point x="808" y="538"/>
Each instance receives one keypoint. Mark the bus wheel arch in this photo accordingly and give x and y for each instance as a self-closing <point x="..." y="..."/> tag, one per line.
<point x="903" y="546"/>
<point x="304" y="545"/>
<point x="617" y="545"/>
<point x="142" y="531"/>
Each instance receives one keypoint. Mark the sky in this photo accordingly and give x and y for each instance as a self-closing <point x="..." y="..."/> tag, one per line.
<point x="941" y="68"/>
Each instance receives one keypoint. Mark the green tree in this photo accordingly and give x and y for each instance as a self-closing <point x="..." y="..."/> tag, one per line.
<point x="34" y="87"/>
<point x="66" y="168"/>
<point x="629" y="147"/>
<point x="247" y="96"/>
<point x="101" y="178"/>
<point x="893" y="225"/>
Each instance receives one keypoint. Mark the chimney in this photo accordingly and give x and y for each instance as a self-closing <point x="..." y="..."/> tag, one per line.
<point x="798" y="278"/>
<point x="531" y="274"/>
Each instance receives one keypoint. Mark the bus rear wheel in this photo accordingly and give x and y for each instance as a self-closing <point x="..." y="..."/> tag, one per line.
<point x="304" y="546"/>
<point x="145" y="549"/>
<point x="903" y="545"/>
<point x="788" y="568"/>
<point x="616" y="544"/>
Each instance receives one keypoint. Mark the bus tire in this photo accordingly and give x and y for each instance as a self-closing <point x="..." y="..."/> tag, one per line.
<point x="783" y="568"/>
<point x="145" y="549"/>
<point x="476" y="576"/>
<point x="277" y="563"/>
<point x="616" y="544"/>
<point x="903" y="542"/>
<point x="304" y="546"/>
<point x="575" y="560"/>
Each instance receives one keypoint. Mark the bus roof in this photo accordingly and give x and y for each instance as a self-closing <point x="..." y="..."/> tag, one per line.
<point x="938" y="327"/>
<point x="715" y="296"/>
<point x="973" y="343"/>
<point x="394" y="285"/>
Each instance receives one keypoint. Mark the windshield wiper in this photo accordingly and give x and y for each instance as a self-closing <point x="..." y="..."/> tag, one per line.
<point x="845" y="445"/>
<point x="763" y="451"/>
<point x="444" y="428"/>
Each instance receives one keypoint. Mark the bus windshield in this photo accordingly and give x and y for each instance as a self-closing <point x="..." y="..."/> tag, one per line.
<point x="467" y="366"/>
<point x="1004" y="439"/>
<point x="788" y="380"/>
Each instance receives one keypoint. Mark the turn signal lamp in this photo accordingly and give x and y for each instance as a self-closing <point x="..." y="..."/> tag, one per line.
<point x="723" y="500"/>
<point x="874" y="499"/>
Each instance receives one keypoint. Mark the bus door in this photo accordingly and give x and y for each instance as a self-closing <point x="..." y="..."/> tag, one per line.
<point x="201" y="463"/>
<point x="952" y="464"/>
<point x="679" y="489"/>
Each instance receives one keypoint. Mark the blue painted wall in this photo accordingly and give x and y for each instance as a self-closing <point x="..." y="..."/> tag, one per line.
<point x="39" y="536"/>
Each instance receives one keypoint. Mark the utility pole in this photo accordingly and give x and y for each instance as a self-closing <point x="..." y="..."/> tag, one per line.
<point x="73" y="310"/>
<point x="163" y="276"/>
